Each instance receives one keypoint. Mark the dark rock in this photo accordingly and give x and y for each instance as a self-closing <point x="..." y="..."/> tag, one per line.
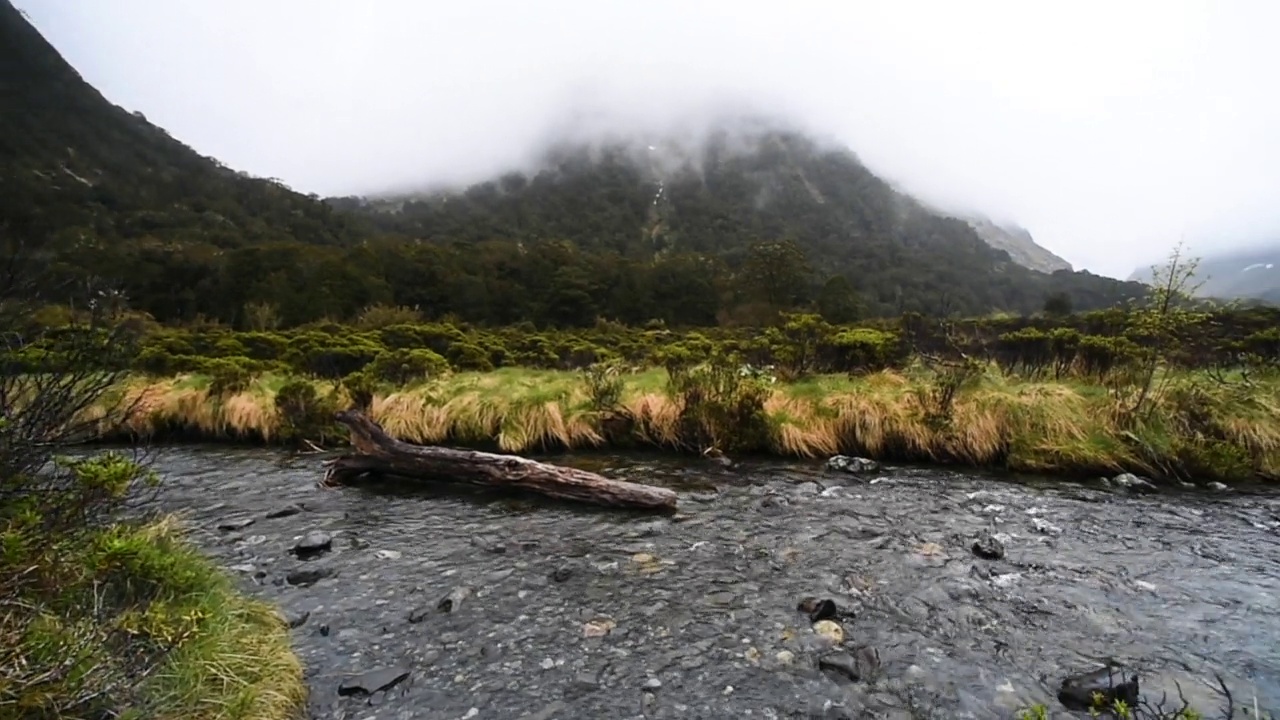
<point x="1133" y="483"/>
<point x="854" y="465"/>
<point x="373" y="681"/>
<point x="825" y="609"/>
<point x="988" y="547"/>
<point x="841" y="663"/>
<point x="312" y="544"/>
<point x="297" y="620"/>
<point x="1077" y="691"/>
<point x="417" y="615"/>
<point x="562" y="573"/>
<point x="232" y="524"/>
<point x="772" y="503"/>
<point x="308" y="575"/>
<point x="324" y="631"/>
<point x="285" y="511"/>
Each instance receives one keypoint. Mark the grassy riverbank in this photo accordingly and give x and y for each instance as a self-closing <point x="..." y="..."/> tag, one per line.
<point x="133" y="620"/>
<point x="1191" y="425"/>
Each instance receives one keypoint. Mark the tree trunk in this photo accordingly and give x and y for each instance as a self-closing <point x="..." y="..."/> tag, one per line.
<point x="378" y="452"/>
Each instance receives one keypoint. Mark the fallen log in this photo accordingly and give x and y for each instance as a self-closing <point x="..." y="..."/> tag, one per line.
<point x="378" y="453"/>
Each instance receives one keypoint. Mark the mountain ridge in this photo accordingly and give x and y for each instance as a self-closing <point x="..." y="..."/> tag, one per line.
<point x="591" y="235"/>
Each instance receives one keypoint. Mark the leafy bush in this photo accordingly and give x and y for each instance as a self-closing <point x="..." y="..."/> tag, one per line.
<point x="304" y="414"/>
<point x="402" y="367"/>
<point x="720" y="407"/>
<point x="468" y="356"/>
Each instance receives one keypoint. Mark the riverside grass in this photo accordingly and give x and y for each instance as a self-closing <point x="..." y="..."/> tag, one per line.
<point x="234" y="660"/>
<point x="998" y="420"/>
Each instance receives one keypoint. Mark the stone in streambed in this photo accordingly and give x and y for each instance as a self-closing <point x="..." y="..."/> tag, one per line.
<point x="987" y="547"/>
<point x="373" y="681"/>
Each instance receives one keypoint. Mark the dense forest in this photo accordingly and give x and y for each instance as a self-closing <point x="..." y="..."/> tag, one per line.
<point x="742" y="228"/>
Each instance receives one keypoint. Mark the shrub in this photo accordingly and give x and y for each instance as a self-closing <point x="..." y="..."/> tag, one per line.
<point x="720" y="407"/>
<point x="604" y="384"/>
<point x="304" y="414"/>
<point x="401" y="367"/>
<point x="376" y="317"/>
<point x="864" y="350"/>
<point x="468" y="356"/>
<point x="228" y="376"/>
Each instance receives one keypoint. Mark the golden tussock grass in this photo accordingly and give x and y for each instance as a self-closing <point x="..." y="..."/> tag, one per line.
<point x="1000" y="421"/>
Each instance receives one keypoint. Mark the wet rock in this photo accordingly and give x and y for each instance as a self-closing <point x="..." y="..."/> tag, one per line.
<point x="373" y="681"/>
<point x="417" y="615"/>
<point x="854" y="465"/>
<point x="824" y="609"/>
<point x="1077" y="691"/>
<point x="324" y="630"/>
<point x="562" y="574"/>
<point x="1133" y="483"/>
<point x="1045" y="527"/>
<point x="830" y="630"/>
<point x="772" y="504"/>
<point x="860" y="665"/>
<point x="987" y="547"/>
<point x="309" y="575"/>
<point x="282" y="512"/>
<point x="233" y="524"/>
<point x="313" y="544"/>
<point x="450" y="602"/>
<point x="598" y="627"/>
<point x="387" y="554"/>
<point x="1215" y="485"/>
<point x="296" y="619"/>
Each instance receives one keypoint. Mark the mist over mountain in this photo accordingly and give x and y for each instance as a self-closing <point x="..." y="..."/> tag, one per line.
<point x="1252" y="273"/>
<point x="727" y="222"/>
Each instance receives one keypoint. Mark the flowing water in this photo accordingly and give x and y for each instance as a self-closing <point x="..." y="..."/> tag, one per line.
<point x="577" y="612"/>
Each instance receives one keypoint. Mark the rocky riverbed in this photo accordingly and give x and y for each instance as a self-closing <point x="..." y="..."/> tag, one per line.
<point x="449" y="605"/>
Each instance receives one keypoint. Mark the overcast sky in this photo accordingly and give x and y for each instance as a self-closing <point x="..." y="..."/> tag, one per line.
<point x="1109" y="129"/>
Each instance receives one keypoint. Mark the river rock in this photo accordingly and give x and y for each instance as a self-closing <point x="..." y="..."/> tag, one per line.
<point x="829" y="629"/>
<point x="824" y="609"/>
<point x="1077" y="691"/>
<point x="1133" y="483"/>
<point x="1215" y="485"/>
<point x="853" y="465"/>
<point x="373" y="681"/>
<point x="450" y="602"/>
<point x="312" y="544"/>
<point x="282" y="512"/>
<point x="232" y="524"/>
<point x="308" y="575"/>
<point x="987" y="547"/>
<point x="297" y="619"/>
<point x="859" y="666"/>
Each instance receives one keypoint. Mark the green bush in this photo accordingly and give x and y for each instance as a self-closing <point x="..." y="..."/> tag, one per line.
<point x="304" y="414"/>
<point x="468" y="356"/>
<point x="402" y="367"/>
<point x="864" y="350"/>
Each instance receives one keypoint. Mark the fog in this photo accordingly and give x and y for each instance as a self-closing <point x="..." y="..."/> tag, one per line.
<point x="1109" y="130"/>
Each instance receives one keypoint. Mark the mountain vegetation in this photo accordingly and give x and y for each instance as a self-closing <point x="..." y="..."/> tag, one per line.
<point x="748" y="224"/>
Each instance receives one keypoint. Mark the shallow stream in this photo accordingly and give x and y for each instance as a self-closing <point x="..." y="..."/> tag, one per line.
<point x="575" y="612"/>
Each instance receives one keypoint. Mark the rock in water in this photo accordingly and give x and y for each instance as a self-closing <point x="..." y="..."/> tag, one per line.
<point x="373" y="681"/>
<point x="1132" y="482"/>
<point x="830" y="630"/>
<point x="855" y="465"/>
<point x="312" y="544"/>
<point x="1109" y="683"/>
<point x="231" y="524"/>
<point x="988" y="547"/>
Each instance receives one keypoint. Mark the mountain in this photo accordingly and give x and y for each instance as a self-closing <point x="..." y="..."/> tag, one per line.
<point x="1016" y="241"/>
<point x="1247" y="274"/>
<point x="746" y="182"/>
<point x="727" y="228"/>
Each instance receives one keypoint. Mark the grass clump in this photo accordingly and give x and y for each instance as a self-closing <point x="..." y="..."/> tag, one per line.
<point x="101" y="618"/>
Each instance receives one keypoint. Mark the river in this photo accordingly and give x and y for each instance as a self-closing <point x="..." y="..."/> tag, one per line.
<point x="576" y="612"/>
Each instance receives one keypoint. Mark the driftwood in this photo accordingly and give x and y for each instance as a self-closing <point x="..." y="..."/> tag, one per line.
<point x="376" y="452"/>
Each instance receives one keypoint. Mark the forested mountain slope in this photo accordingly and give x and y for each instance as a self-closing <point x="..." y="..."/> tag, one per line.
<point x="746" y="223"/>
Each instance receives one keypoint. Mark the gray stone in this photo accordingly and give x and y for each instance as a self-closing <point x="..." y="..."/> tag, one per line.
<point x="853" y="465"/>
